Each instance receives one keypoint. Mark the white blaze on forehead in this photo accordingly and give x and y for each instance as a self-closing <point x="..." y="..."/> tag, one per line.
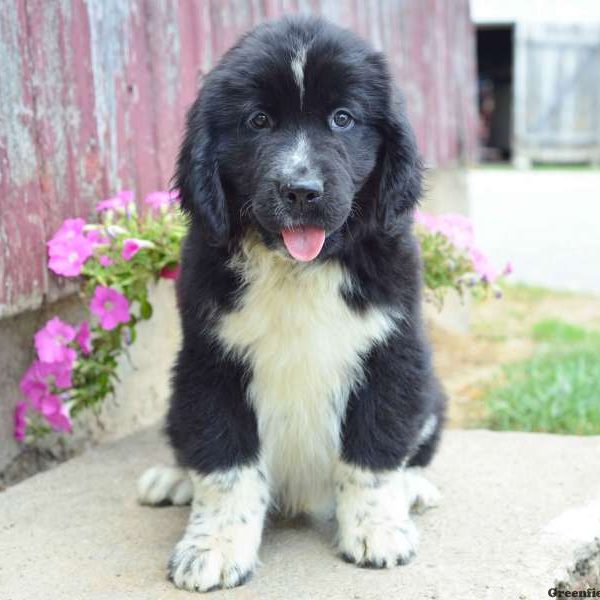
<point x="298" y="64"/>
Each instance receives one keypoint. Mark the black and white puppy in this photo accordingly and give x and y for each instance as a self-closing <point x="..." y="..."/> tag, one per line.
<point x="304" y="382"/>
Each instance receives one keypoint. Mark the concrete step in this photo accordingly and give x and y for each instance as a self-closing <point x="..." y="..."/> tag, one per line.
<point x="520" y="512"/>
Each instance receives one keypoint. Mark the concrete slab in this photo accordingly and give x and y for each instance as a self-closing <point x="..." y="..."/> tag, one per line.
<point x="501" y="532"/>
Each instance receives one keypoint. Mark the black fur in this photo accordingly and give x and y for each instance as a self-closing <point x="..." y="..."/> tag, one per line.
<point x="230" y="175"/>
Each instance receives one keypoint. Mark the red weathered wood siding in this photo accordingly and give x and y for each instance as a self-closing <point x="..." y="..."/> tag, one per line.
<point x="93" y="95"/>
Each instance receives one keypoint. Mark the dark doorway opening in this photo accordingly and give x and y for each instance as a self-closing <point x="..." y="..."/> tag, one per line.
<point x="495" y="87"/>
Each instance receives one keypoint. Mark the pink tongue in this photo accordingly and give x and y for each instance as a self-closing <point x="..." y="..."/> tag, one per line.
<point x="304" y="243"/>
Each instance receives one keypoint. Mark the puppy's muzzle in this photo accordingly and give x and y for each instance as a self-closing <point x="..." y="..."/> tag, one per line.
<point x="301" y="192"/>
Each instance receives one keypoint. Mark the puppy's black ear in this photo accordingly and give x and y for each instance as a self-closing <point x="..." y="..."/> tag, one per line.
<point x="198" y="180"/>
<point x="402" y="169"/>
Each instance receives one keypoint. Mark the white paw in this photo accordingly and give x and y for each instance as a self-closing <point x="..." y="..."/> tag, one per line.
<point x="162" y="485"/>
<point x="379" y="544"/>
<point x="372" y="510"/>
<point x="212" y="562"/>
<point x="220" y="546"/>
<point x="422" y="493"/>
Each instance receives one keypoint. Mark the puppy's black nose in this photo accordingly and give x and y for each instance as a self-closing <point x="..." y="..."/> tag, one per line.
<point x="300" y="191"/>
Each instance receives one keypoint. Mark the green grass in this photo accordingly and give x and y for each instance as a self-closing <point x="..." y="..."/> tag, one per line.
<point x="556" y="332"/>
<point x="557" y="390"/>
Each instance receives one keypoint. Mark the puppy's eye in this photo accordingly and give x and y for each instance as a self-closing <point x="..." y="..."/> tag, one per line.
<point x="341" y="119"/>
<point x="259" y="120"/>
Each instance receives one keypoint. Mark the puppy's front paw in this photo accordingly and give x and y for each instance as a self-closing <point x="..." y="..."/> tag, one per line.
<point x="379" y="544"/>
<point x="374" y="527"/>
<point x="220" y="546"/>
<point x="205" y="564"/>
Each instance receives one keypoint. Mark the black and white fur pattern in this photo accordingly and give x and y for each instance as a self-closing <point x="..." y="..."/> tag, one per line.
<point x="304" y="387"/>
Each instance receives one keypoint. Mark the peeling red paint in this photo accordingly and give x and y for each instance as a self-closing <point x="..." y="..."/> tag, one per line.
<point x="101" y="87"/>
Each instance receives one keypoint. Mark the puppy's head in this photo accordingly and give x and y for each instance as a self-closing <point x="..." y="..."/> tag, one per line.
<point x="290" y="131"/>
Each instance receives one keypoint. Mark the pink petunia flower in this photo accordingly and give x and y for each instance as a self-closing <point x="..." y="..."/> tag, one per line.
<point x="60" y="420"/>
<point x="49" y="404"/>
<point x="38" y="379"/>
<point x="126" y="196"/>
<point x="427" y="220"/>
<point x="69" y="230"/>
<point x="161" y="200"/>
<point x="110" y="306"/>
<point x="120" y="202"/>
<point x="34" y="384"/>
<point x="105" y="261"/>
<point x="168" y="272"/>
<point x="157" y="200"/>
<point x="459" y="230"/>
<point x="56" y="413"/>
<point x="51" y="342"/>
<point x="68" y="256"/>
<point x="84" y="337"/>
<point x="69" y="248"/>
<point x="483" y="265"/>
<point x="109" y="204"/>
<point x="20" y="422"/>
<point x="97" y="238"/>
<point x="131" y="246"/>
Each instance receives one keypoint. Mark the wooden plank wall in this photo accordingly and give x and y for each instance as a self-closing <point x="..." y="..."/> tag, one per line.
<point x="557" y="93"/>
<point x="93" y="95"/>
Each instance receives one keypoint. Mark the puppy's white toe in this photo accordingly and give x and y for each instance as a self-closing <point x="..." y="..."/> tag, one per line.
<point x="423" y="494"/>
<point x="162" y="485"/>
<point x="379" y="544"/>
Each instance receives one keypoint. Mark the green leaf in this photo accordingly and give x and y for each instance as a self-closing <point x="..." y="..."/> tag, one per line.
<point x="145" y="309"/>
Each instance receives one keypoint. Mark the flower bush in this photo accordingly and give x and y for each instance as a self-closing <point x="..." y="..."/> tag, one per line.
<point x="452" y="259"/>
<point x="118" y="258"/>
<point x="115" y="260"/>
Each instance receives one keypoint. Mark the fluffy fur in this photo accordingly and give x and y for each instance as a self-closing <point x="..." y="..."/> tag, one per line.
<point x="304" y="346"/>
<point x="314" y="377"/>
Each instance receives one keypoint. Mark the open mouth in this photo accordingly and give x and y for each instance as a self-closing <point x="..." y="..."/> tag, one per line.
<point x="304" y="242"/>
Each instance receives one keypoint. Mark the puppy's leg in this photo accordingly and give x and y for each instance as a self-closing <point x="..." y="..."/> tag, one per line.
<point x="423" y="494"/>
<point x="382" y="432"/>
<point x="213" y="432"/>
<point x="372" y="509"/>
<point x="220" y="544"/>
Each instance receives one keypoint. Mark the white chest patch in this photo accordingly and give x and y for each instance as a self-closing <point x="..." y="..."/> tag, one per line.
<point x="304" y="345"/>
